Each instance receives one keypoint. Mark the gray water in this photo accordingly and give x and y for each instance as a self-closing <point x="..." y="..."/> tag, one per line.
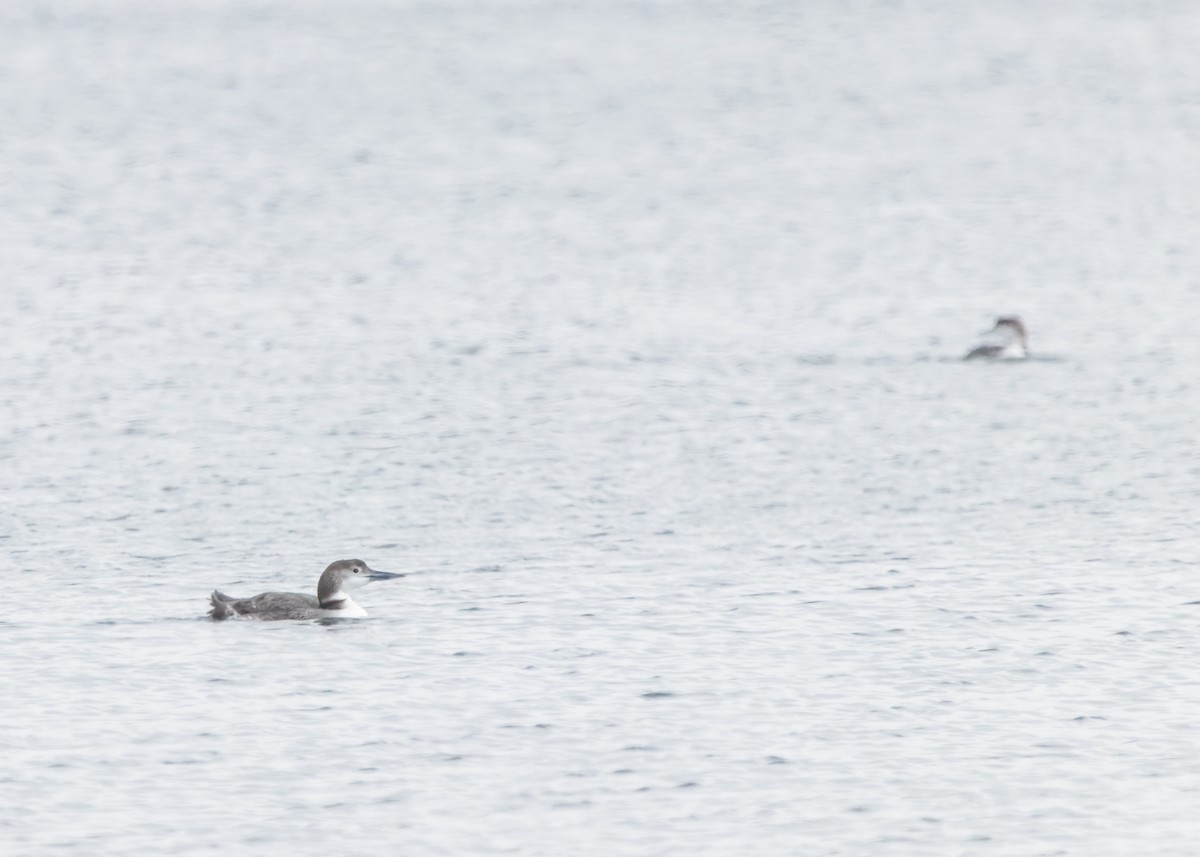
<point x="631" y="331"/>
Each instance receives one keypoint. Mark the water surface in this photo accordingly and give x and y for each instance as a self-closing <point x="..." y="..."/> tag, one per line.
<point x="631" y="330"/>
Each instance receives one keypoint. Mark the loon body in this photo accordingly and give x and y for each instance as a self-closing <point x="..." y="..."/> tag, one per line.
<point x="1010" y="341"/>
<point x="331" y="601"/>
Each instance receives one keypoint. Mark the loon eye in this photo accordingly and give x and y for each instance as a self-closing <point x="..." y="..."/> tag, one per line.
<point x="357" y="569"/>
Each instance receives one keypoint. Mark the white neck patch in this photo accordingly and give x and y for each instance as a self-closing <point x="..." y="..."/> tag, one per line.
<point x="342" y="604"/>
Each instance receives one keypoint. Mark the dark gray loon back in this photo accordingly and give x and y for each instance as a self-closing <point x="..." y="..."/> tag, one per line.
<point x="268" y="605"/>
<point x="985" y="352"/>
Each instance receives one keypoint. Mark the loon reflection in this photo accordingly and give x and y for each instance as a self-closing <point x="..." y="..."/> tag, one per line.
<point x="331" y="601"/>
<point x="1010" y="341"/>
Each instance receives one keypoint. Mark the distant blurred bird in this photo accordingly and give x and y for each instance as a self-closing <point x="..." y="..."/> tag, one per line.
<point x="1008" y="340"/>
<point x="331" y="601"/>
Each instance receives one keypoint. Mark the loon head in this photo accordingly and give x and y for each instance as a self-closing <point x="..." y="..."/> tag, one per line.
<point x="1012" y="326"/>
<point x="346" y="574"/>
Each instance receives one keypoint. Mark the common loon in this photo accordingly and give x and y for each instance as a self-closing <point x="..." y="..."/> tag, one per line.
<point x="331" y="601"/>
<point x="1011" y="341"/>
